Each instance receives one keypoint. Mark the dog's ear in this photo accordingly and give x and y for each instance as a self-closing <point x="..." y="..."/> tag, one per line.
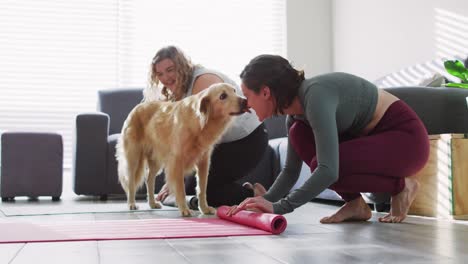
<point x="205" y="109"/>
<point x="205" y="105"/>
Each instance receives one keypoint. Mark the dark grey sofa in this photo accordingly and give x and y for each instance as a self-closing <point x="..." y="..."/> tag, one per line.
<point x="442" y="110"/>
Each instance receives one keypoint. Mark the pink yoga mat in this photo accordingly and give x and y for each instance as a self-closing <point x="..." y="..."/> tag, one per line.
<point x="272" y="223"/>
<point x="22" y="232"/>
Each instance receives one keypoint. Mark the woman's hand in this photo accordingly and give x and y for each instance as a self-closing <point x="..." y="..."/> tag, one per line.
<point x="163" y="193"/>
<point x="257" y="204"/>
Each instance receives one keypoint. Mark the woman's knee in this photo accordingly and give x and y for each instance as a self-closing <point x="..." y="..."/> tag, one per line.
<point x="302" y="140"/>
<point x="420" y="157"/>
<point x="299" y="131"/>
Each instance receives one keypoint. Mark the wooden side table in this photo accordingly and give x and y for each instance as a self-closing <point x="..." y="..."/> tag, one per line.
<point x="444" y="179"/>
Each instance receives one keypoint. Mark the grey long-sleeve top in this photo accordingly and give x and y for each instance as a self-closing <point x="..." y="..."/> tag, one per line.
<point x="333" y="104"/>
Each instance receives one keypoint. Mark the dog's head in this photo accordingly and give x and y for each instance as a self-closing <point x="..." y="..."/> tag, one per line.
<point x="220" y="101"/>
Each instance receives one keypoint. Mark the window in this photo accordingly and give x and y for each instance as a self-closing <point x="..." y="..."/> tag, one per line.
<point x="55" y="55"/>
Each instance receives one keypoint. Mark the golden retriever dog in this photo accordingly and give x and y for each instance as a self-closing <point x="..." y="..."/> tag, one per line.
<point x="178" y="137"/>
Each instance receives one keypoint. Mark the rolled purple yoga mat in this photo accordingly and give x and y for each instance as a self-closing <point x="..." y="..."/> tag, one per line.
<point x="273" y="223"/>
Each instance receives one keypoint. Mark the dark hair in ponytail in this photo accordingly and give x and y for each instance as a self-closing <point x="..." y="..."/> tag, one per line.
<point x="275" y="72"/>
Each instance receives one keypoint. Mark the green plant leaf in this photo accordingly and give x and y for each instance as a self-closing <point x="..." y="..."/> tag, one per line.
<point x="457" y="69"/>
<point x="457" y="85"/>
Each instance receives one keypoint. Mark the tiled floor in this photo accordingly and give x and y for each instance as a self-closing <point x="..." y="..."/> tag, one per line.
<point x="418" y="240"/>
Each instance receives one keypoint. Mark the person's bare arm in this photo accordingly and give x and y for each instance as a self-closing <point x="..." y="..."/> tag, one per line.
<point x="204" y="81"/>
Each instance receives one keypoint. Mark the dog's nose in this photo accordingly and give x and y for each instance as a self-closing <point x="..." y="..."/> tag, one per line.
<point x="243" y="105"/>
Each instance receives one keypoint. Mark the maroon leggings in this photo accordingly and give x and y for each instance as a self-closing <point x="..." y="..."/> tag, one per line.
<point x="378" y="162"/>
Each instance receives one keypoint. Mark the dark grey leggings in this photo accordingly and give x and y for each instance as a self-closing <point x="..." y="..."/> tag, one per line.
<point x="230" y="162"/>
<point x="396" y="148"/>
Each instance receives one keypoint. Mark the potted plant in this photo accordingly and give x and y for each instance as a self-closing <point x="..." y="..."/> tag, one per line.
<point x="457" y="69"/>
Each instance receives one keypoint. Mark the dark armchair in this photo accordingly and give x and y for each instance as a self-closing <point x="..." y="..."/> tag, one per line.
<point x="95" y="167"/>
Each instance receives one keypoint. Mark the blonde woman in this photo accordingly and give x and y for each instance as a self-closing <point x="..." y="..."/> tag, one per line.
<point x="172" y="78"/>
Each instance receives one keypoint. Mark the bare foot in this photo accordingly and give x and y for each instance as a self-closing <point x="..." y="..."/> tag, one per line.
<point x="163" y="193"/>
<point x="355" y="210"/>
<point x="259" y="190"/>
<point x="401" y="202"/>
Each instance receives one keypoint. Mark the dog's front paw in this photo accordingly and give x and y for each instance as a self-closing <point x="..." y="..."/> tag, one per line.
<point x="185" y="211"/>
<point x="155" y="205"/>
<point x="132" y="206"/>
<point x="208" y="210"/>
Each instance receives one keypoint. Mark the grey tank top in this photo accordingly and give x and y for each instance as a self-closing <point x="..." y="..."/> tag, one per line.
<point x="244" y="124"/>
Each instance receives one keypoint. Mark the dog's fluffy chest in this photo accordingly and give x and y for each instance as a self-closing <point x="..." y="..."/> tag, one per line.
<point x="194" y="150"/>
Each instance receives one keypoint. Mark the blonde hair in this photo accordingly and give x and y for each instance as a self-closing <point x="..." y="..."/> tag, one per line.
<point x="184" y="70"/>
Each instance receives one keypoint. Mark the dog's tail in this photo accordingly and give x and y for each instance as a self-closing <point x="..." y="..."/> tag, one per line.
<point x="122" y="167"/>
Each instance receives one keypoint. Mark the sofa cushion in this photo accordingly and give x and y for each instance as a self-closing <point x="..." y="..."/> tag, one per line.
<point x="442" y="110"/>
<point x="117" y="104"/>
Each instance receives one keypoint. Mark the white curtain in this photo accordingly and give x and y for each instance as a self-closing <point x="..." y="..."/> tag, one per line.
<point x="56" y="55"/>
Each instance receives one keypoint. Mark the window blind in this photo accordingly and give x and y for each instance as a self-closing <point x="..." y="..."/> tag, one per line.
<point x="56" y="55"/>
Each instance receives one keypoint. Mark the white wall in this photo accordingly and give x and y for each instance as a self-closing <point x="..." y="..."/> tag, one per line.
<point x="374" y="37"/>
<point x="309" y="35"/>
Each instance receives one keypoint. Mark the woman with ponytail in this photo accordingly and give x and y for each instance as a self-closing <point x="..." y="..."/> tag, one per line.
<point x="354" y="137"/>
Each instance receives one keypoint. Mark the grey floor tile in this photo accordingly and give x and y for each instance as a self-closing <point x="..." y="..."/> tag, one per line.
<point x="351" y="248"/>
<point x="138" y="251"/>
<point x="303" y="255"/>
<point x="370" y="253"/>
<point x="217" y="250"/>
<point x="422" y="240"/>
<point x="306" y="229"/>
<point x="9" y="251"/>
<point x="59" y="253"/>
<point x="299" y="250"/>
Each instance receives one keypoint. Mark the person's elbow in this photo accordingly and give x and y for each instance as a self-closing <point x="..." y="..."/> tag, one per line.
<point x="331" y="172"/>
